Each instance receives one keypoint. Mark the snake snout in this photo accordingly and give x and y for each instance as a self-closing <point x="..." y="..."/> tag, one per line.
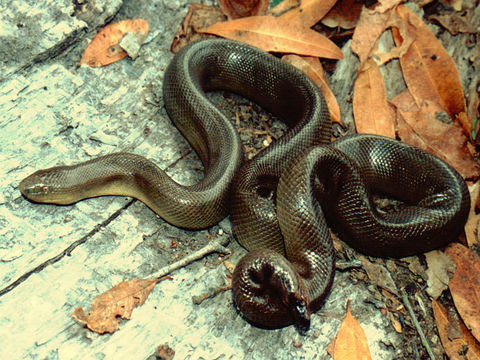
<point x="33" y="188"/>
<point x="42" y="186"/>
<point x="300" y="311"/>
<point x="265" y="283"/>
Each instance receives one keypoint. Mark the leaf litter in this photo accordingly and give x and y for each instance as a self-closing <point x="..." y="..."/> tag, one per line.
<point x="414" y="115"/>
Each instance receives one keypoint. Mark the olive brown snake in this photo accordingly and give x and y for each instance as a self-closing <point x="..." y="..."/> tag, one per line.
<point x="282" y="200"/>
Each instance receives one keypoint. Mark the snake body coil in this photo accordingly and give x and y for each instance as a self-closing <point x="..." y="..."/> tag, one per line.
<point x="282" y="200"/>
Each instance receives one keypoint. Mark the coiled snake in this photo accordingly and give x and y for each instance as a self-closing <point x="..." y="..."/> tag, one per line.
<point x="290" y="266"/>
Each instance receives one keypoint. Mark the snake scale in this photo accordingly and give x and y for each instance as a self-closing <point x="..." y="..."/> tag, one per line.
<point x="281" y="200"/>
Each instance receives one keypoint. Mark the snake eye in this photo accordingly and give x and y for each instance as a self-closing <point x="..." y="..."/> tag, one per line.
<point x="37" y="189"/>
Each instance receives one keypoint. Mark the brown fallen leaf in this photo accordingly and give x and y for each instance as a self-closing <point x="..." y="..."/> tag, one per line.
<point x="473" y="108"/>
<point x="229" y="266"/>
<point x="371" y="25"/>
<point x="446" y="141"/>
<point x="397" y="325"/>
<point x="372" y="113"/>
<point x="276" y="34"/>
<point x="313" y="68"/>
<point x="305" y="12"/>
<point x="440" y="270"/>
<point x="165" y="352"/>
<point x="429" y="72"/>
<point x="455" y="4"/>
<point x="235" y="9"/>
<point x="344" y="14"/>
<point x="379" y="275"/>
<point x="350" y="343"/>
<point x="198" y="16"/>
<point x="104" y="48"/>
<point x="472" y="226"/>
<point x="465" y="286"/>
<point x="456" y="23"/>
<point x="118" y="301"/>
<point x="457" y="341"/>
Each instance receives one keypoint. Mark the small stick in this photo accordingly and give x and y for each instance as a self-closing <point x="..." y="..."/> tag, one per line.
<point x="346" y="265"/>
<point x="417" y="325"/>
<point x="216" y="245"/>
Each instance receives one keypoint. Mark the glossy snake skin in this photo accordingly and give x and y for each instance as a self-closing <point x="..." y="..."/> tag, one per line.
<point x="290" y="266"/>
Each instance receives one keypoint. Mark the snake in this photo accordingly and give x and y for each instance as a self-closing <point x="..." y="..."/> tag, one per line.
<point x="284" y="202"/>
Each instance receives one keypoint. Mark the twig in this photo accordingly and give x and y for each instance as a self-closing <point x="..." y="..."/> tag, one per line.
<point x="345" y="265"/>
<point x="198" y="299"/>
<point x="216" y="245"/>
<point x="417" y="325"/>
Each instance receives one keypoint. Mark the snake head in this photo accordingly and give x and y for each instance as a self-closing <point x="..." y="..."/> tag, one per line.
<point x="32" y="188"/>
<point x="45" y="186"/>
<point x="300" y="310"/>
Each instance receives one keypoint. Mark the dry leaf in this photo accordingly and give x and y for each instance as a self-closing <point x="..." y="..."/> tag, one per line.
<point x="465" y="286"/>
<point x="235" y="9"/>
<point x="463" y="345"/>
<point x="344" y="14"/>
<point x="372" y="112"/>
<point x="473" y="109"/>
<point x="313" y="68"/>
<point x="397" y="325"/>
<point x="104" y="48"/>
<point x="305" y="12"/>
<point x="456" y="23"/>
<point x="118" y="301"/>
<point x="198" y="16"/>
<point x="278" y="35"/>
<point x="455" y="4"/>
<point x="443" y="140"/>
<point x="165" y="352"/>
<point x="429" y="71"/>
<point x="440" y="270"/>
<point x="379" y="275"/>
<point x="351" y="342"/>
<point x="370" y="27"/>
<point x="472" y="226"/>
<point x="229" y="266"/>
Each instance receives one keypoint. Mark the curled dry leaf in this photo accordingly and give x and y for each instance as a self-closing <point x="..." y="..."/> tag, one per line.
<point x="440" y="270"/>
<point x="397" y="325"/>
<point x="372" y="113"/>
<point x="313" y="68"/>
<point x="198" y="16"/>
<point x="379" y="276"/>
<point x="305" y="12"/>
<point x="456" y="339"/>
<point x="465" y="286"/>
<point x="351" y="342"/>
<point x="429" y="71"/>
<point x="104" y="48"/>
<point x="118" y="301"/>
<point x="418" y="128"/>
<point x="278" y="35"/>
<point x="235" y="9"/>
<point x="344" y="14"/>
<point x="370" y="27"/>
<point x="165" y="352"/>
